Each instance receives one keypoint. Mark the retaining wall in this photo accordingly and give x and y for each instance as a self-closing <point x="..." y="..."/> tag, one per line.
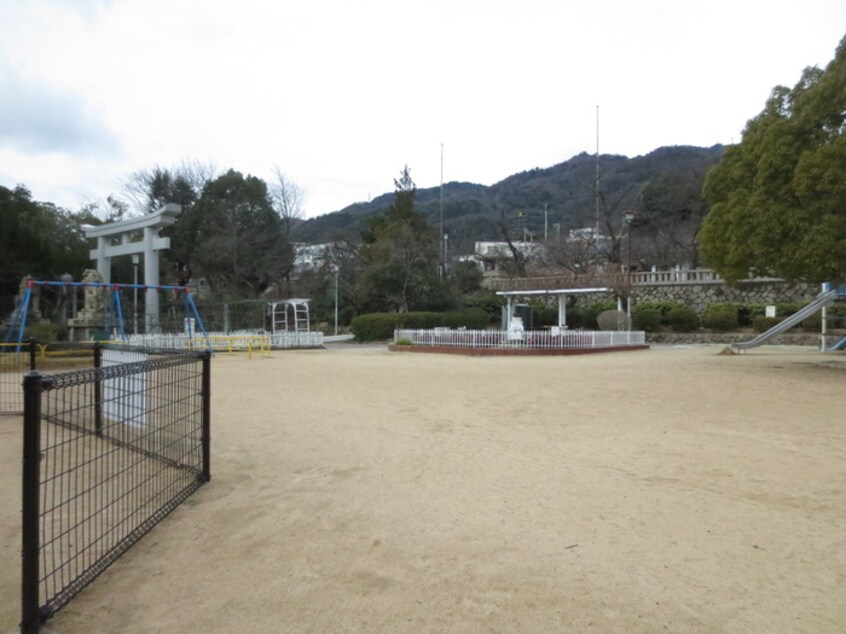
<point x="698" y="296"/>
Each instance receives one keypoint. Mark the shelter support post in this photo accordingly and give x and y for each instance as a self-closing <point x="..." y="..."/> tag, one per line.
<point x="562" y="312"/>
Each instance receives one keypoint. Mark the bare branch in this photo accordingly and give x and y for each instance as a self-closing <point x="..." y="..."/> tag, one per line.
<point x="288" y="201"/>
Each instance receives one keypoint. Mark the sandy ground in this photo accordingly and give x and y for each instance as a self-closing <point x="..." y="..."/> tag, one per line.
<point x="359" y="490"/>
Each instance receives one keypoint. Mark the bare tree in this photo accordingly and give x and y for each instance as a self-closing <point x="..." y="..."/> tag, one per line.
<point x="288" y="201"/>
<point x="576" y="251"/>
<point x="611" y="222"/>
<point x="110" y="209"/>
<point x="147" y="190"/>
<point x="514" y="266"/>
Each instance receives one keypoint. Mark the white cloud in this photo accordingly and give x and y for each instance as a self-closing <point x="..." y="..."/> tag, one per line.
<point x="38" y="118"/>
<point x="341" y="95"/>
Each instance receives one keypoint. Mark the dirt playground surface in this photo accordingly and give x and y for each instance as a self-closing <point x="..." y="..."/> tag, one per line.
<point x="360" y="490"/>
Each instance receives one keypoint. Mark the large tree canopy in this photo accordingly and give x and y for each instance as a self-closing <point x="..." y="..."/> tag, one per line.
<point x="38" y="239"/>
<point x="778" y="199"/>
<point x="233" y="237"/>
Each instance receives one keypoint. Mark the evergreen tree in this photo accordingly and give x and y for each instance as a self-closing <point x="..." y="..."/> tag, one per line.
<point x="399" y="255"/>
<point x="778" y="199"/>
<point x="232" y="237"/>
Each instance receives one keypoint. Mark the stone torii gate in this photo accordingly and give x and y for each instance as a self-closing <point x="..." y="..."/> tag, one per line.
<point x="149" y="246"/>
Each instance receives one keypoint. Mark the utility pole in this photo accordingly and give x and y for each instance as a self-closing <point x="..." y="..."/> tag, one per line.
<point x="545" y="223"/>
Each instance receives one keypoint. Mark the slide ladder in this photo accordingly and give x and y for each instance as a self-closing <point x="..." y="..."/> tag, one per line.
<point x="823" y="299"/>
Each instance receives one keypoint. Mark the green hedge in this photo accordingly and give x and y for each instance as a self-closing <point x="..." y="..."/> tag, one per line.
<point x="545" y="316"/>
<point x="762" y="324"/>
<point x="381" y="326"/>
<point x="721" y="317"/>
<point x="681" y="318"/>
<point x="646" y="318"/>
<point x="491" y="303"/>
<point x="45" y="332"/>
<point x="653" y="316"/>
<point x="589" y="314"/>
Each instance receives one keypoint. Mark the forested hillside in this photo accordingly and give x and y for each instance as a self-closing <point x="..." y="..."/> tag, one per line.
<point x="663" y="185"/>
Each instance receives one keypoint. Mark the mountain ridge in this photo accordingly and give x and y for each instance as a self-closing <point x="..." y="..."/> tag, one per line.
<point x="532" y="201"/>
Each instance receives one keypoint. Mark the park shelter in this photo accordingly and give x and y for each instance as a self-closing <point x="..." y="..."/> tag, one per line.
<point x="560" y="293"/>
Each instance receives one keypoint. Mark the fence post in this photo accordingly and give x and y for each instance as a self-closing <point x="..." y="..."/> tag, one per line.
<point x="98" y="390"/>
<point x="33" y="347"/>
<point x="206" y="396"/>
<point x="30" y="542"/>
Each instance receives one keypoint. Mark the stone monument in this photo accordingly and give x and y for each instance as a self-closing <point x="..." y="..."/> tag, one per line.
<point x="92" y="318"/>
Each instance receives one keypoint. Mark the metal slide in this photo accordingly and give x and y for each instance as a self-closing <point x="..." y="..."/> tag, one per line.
<point x="821" y="300"/>
<point x="840" y="345"/>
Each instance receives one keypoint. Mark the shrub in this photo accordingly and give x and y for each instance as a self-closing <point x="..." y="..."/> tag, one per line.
<point x="590" y="313"/>
<point x="615" y="320"/>
<point x="472" y="318"/>
<point x="761" y="323"/>
<point x="404" y="341"/>
<point x="546" y="316"/>
<point x="415" y="320"/>
<point x="381" y="326"/>
<point x="813" y="323"/>
<point x="646" y="318"/>
<point x="787" y="309"/>
<point x="837" y="316"/>
<point x="682" y="319"/>
<point x="491" y="303"/>
<point x="45" y="332"/>
<point x="662" y="307"/>
<point x="721" y="317"/>
<point x="374" y="327"/>
<point x="575" y="317"/>
<point x="747" y="313"/>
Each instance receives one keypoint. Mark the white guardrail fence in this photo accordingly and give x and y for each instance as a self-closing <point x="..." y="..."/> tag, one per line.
<point x="228" y="342"/>
<point x="548" y="339"/>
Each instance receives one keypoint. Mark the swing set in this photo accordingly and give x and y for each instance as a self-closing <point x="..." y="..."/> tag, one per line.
<point x="114" y="311"/>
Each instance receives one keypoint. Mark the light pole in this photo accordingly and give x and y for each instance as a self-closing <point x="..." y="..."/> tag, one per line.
<point x="337" y="270"/>
<point x="628" y="218"/>
<point x="135" y="260"/>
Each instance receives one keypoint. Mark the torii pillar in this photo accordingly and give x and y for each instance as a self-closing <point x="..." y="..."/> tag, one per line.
<point x="149" y="246"/>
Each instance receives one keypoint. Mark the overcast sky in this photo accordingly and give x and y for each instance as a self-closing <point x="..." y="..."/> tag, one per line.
<point x="341" y="94"/>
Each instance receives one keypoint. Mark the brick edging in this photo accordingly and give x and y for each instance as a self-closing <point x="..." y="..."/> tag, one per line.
<point x="503" y="352"/>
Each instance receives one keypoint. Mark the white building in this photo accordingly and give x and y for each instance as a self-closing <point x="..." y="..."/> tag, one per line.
<point x="491" y="257"/>
<point x="308" y="257"/>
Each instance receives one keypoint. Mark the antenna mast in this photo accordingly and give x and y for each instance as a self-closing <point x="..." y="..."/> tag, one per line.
<point x="441" y="254"/>
<point x="596" y="185"/>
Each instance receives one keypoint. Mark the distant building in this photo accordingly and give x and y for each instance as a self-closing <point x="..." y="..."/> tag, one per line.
<point x="491" y="257"/>
<point x="588" y="245"/>
<point x="310" y="257"/>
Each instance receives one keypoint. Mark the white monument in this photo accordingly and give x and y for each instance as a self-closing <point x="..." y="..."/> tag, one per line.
<point x="149" y="246"/>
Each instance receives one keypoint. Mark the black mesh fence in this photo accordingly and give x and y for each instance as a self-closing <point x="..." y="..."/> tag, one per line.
<point x="15" y="360"/>
<point x="108" y="452"/>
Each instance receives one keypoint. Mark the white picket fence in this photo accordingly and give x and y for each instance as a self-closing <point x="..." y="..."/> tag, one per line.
<point x="535" y="339"/>
<point x="241" y="340"/>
